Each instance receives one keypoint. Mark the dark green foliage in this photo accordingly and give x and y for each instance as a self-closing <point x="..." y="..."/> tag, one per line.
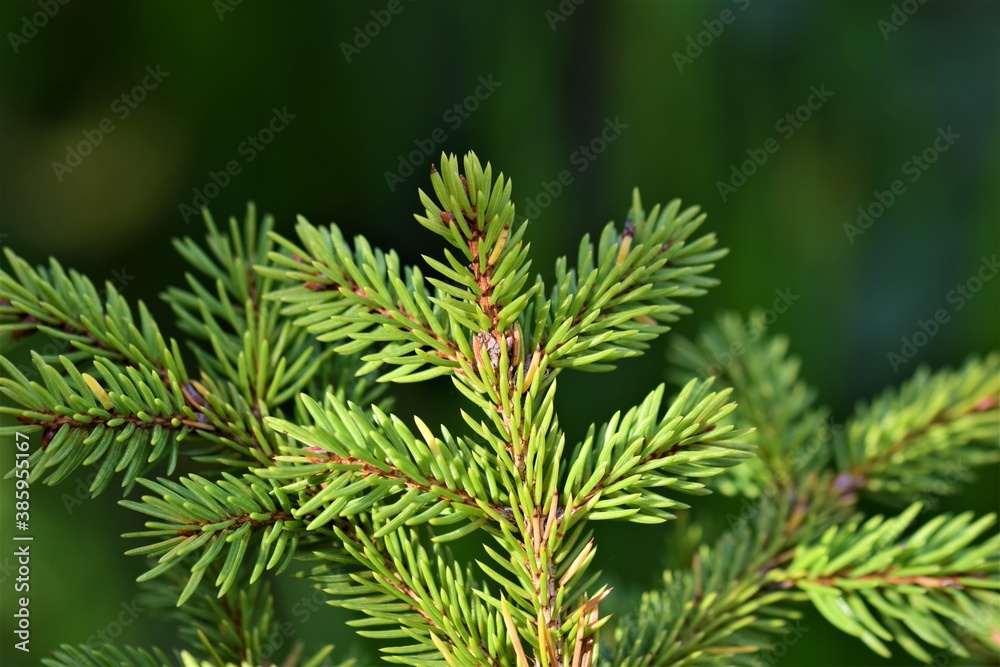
<point x="217" y="520"/>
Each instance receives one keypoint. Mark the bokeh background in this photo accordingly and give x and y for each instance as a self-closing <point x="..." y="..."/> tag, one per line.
<point x="687" y="114"/>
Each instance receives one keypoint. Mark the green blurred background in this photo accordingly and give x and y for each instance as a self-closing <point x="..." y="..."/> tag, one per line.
<point x="558" y="78"/>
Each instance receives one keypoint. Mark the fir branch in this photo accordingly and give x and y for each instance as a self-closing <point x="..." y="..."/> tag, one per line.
<point x="791" y="434"/>
<point x="619" y="468"/>
<point x="252" y="360"/>
<point x="796" y="561"/>
<point x="376" y="464"/>
<point x="128" y="419"/>
<point x="136" y="422"/>
<point x="248" y="343"/>
<point x="624" y="292"/>
<point x="870" y="581"/>
<point x="254" y="366"/>
<point x="110" y="656"/>
<point x="722" y="609"/>
<point x="416" y="592"/>
<point x="336" y="299"/>
<point x="379" y="466"/>
<point x="897" y="446"/>
<point x="475" y="215"/>
<point x="67" y="306"/>
<point x="372" y="500"/>
<point x="546" y="579"/>
<point x="198" y="516"/>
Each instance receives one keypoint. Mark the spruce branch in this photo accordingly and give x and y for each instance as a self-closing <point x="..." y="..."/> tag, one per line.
<point x="899" y="445"/>
<point x="476" y="216"/>
<point x="418" y="592"/>
<point x="871" y="581"/>
<point x="376" y="464"/>
<point x="255" y="362"/>
<point x="248" y="343"/>
<point x="127" y="420"/>
<point x="619" y="468"/>
<point x="800" y="546"/>
<point x="624" y="292"/>
<point x="725" y="607"/>
<point x="499" y="341"/>
<point x="231" y="519"/>
<point x="111" y="656"/>
<point x="289" y="339"/>
<point x="337" y="300"/>
<point x="864" y="576"/>
<point x="67" y="306"/>
<point x="791" y="434"/>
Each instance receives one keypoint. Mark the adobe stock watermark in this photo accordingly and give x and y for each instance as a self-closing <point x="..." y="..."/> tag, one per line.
<point x="248" y="149"/>
<point x="956" y="472"/>
<point x="914" y="168"/>
<point x="696" y="44"/>
<point x="773" y="653"/>
<point x="284" y="631"/>
<point x="753" y="328"/>
<point x="958" y="298"/>
<point x="121" y="108"/>
<point x="564" y="11"/>
<point x="581" y="158"/>
<point x="453" y="116"/>
<point x="30" y="25"/>
<point x="223" y="7"/>
<point x="81" y="493"/>
<point x="901" y="13"/>
<point x="364" y="34"/>
<point x="970" y="629"/>
<point x="786" y="127"/>
<point x="8" y="568"/>
<point x="130" y="611"/>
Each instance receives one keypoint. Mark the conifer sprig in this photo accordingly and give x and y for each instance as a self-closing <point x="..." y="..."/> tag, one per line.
<point x="287" y="338"/>
<point x="125" y="398"/>
<point x="240" y="335"/>
<point x="880" y="581"/>
<point x="623" y="292"/>
<point x="875" y="578"/>
<point x="870" y="578"/>
<point x="900" y="443"/>
<point x="66" y="305"/>
<point x="125" y="418"/>
<point x="224" y="520"/>
<point x="791" y="434"/>
<point x="413" y="594"/>
<point x="112" y="656"/>
<point x="619" y="468"/>
<point x="357" y="462"/>
<point x="500" y="342"/>
<point x="336" y="300"/>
